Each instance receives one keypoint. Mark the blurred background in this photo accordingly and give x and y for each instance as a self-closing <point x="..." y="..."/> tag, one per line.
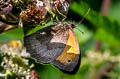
<point x="99" y="42"/>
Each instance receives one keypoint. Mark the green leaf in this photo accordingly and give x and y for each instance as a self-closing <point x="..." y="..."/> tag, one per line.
<point x="38" y="28"/>
<point x="49" y="72"/>
<point x="15" y="34"/>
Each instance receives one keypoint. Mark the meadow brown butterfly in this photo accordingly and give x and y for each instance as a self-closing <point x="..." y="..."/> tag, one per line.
<point x="56" y="45"/>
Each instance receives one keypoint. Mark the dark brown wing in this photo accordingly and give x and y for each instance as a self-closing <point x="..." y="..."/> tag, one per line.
<point x="69" y="60"/>
<point x="61" y="49"/>
<point x="45" y="47"/>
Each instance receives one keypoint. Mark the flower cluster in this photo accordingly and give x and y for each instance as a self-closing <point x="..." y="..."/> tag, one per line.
<point x="15" y="62"/>
<point x="20" y="13"/>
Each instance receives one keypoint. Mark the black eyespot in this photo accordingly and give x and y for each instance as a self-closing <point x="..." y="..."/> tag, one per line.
<point x="69" y="60"/>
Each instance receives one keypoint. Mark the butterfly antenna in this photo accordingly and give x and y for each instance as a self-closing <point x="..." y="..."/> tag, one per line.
<point x="82" y="20"/>
<point x="77" y="27"/>
<point x="80" y="30"/>
<point x="85" y="15"/>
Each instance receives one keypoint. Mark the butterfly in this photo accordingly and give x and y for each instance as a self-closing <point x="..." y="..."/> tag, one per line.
<point x="57" y="45"/>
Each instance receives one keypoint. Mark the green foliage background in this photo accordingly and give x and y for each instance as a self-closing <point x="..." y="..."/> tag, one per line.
<point x="96" y="28"/>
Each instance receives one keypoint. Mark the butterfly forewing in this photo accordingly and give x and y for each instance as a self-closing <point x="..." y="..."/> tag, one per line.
<point x="69" y="60"/>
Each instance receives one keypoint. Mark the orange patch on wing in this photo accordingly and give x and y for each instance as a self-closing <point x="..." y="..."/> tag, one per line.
<point x="71" y="50"/>
<point x="72" y="41"/>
